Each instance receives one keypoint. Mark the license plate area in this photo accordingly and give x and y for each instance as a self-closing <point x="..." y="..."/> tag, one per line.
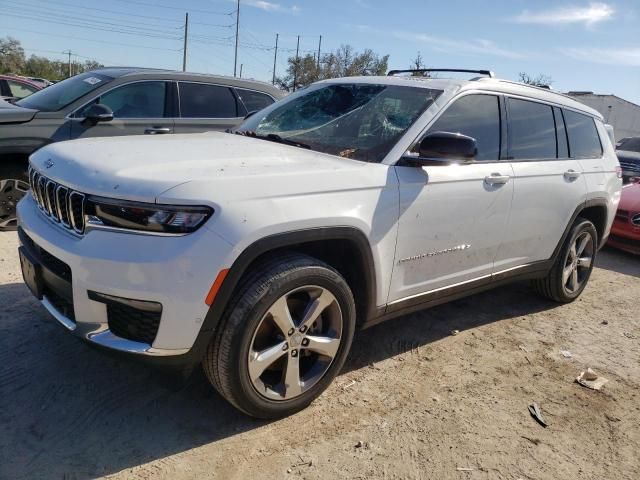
<point x="31" y="272"/>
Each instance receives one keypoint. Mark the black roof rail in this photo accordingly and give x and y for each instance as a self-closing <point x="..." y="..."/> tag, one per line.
<point x="488" y="73"/>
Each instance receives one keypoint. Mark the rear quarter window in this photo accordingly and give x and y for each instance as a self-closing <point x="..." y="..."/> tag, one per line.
<point x="584" y="141"/>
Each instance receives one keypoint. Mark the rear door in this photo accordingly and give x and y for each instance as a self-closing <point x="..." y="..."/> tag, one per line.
<point x="205" y="107"/>
<point x="548" y="184"/>
<point x="138" y="108"/>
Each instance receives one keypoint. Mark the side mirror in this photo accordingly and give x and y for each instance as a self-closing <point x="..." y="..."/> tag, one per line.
<point x="444" y="148"/>
<point x="97" y="113"/>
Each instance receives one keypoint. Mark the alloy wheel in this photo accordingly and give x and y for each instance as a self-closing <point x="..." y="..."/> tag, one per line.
<point x="295" y="343"/>
<point x="11" y="191"/>
<point x="578" y="263"/>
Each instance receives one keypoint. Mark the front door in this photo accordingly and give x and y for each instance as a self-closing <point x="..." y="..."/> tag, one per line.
<point x="452" y="217"/>
<point x="139" y="108"/>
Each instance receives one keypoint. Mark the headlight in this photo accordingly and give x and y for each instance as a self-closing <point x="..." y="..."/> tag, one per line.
<point x="144" y="217"/>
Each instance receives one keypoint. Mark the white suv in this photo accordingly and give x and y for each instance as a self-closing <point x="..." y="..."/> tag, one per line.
<point x="347" y="203"/>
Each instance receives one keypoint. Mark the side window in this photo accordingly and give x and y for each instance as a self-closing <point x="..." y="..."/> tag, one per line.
<point x="199" y="100"/>
<point x="584" y="141"/>
<point x="135" y="100"/>
<point x="476" y="116"/>
<point x="20" y="90"/>
<point x="254" y="101"/>
<point x="563" y="145"/>
<point x="532" y="130"/>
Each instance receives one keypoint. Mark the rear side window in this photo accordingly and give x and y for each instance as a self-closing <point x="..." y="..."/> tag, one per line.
<point x="253" y="101"/>
<point x="199" y="100"/>
<point x="532" y="130"/>
<point x="584" y="141"/>
<point x="476" y="116"/>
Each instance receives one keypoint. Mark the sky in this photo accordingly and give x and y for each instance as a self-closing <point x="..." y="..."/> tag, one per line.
<point x="581" y="45"/>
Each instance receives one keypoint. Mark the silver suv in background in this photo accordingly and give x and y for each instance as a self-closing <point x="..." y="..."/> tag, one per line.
<point x="113" y="102"/>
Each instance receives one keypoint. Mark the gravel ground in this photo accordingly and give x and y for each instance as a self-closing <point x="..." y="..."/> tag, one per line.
<point x="413" y="401"/>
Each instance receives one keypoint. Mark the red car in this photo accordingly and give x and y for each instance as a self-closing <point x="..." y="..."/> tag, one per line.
<point x="15" y="88"/>
<point x="625" y="233"/>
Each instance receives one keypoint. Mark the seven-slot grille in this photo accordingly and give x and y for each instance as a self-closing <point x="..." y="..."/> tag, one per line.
<point x="59" y="203"/>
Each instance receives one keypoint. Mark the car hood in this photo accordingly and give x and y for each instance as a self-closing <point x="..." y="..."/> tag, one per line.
<point x="10" y="113"/>
<point x="630" y="198"/>
<point x="143" y="167"/>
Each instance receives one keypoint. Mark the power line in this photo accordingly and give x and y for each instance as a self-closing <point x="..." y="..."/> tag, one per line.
<point x="208" y="12"/>
<point x="94" y="40"/>
<point x="127" y="14"/>
<point x="92" y="27"/>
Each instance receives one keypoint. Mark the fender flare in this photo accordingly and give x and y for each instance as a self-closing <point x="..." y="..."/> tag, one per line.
<point x="264" y="245"/>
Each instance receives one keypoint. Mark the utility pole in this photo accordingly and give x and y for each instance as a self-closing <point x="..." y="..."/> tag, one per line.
<point x="275" y="58"/>
<point x="68" y="52"/>
<point x="295" y="68"/>
<point x="186" y="33"/>
<point x="241" y="69"/>
<point x="235" y="60"/>
<point x="319" y="45"/>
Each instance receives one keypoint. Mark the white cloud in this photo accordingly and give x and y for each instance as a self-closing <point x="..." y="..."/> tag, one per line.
<point x="588" y="15"/>
<point x="270" y="6"/>
<point x="469" y="47"/>
<point x="622" y="57"/>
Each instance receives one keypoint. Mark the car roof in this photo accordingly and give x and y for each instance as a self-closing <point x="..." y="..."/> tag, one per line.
<point x="452" y="86"/>
<point x="156" y="73"/>
<point x="20" y="80"/>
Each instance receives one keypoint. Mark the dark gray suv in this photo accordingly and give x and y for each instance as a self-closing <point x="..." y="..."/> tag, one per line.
<point x="117" y="101"/>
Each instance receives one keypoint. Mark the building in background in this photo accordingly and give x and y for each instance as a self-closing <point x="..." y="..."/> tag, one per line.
<point x="621" y="114"/>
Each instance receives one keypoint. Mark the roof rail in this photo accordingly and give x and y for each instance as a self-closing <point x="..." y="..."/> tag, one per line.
<point x="488" y="73"/>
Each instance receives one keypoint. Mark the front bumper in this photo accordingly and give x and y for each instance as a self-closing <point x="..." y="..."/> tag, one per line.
<point x="625" y="237"/>
<point x="175" y="272"/>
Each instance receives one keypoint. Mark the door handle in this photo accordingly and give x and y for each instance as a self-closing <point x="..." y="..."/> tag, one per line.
<point x="571" y="174"/>
<point x="496" y="179"/>
<point x="156" y="130"/>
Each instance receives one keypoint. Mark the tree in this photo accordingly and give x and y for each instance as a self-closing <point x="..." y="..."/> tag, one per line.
<point x="11" y="55"/>
<point x="540" y="81"/>
<point x="344" y="62"/>
<point x="13" y="60"/>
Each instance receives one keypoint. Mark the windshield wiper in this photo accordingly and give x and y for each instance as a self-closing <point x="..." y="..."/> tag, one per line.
<point x="272" y="137"/>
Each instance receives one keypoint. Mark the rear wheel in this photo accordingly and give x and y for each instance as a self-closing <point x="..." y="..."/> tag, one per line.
<point x="284" y="339"/>
<point x="14" y="184"/>
<point x="571" y="271"/>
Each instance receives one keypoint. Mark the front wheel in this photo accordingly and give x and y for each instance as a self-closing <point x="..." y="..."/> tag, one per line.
<point x="284" y="338"/>
<point x="14" y="184"/>
<point x="571" y="271"/>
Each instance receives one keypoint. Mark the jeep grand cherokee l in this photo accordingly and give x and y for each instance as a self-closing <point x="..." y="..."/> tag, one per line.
<point x="352" y="201"/>
<point x="113" y="102"/>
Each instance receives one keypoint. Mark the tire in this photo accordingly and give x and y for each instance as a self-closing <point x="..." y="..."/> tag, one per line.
<point x="294" y="283"/>
<point x="14" y="184"/>
<point x="569" y="275"/>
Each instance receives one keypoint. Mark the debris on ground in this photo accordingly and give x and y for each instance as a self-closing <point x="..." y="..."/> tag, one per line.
<point x="350" y="384"/>
<point x="465" y="469"/>
<point x="605" y="322"/>
<point x="455" y="332"/>
<point x="535" y="441"/>
<point x="566" y="353"/>
<point x="591" y="379"/>
<point x="536" y="413"/>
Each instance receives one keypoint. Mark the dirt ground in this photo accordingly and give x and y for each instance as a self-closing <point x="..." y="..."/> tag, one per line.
<point x="413" y="401"/>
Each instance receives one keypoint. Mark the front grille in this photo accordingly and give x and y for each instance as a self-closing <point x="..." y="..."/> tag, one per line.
<point x="636" y="220"/>
<point x="61" y="204"/>
<point x="622" y="215"/>
<point x="624" y="240"/>
<point x="52" y="263"/>
<point x="61" y="304"/>
<point x="133" y="324"/>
